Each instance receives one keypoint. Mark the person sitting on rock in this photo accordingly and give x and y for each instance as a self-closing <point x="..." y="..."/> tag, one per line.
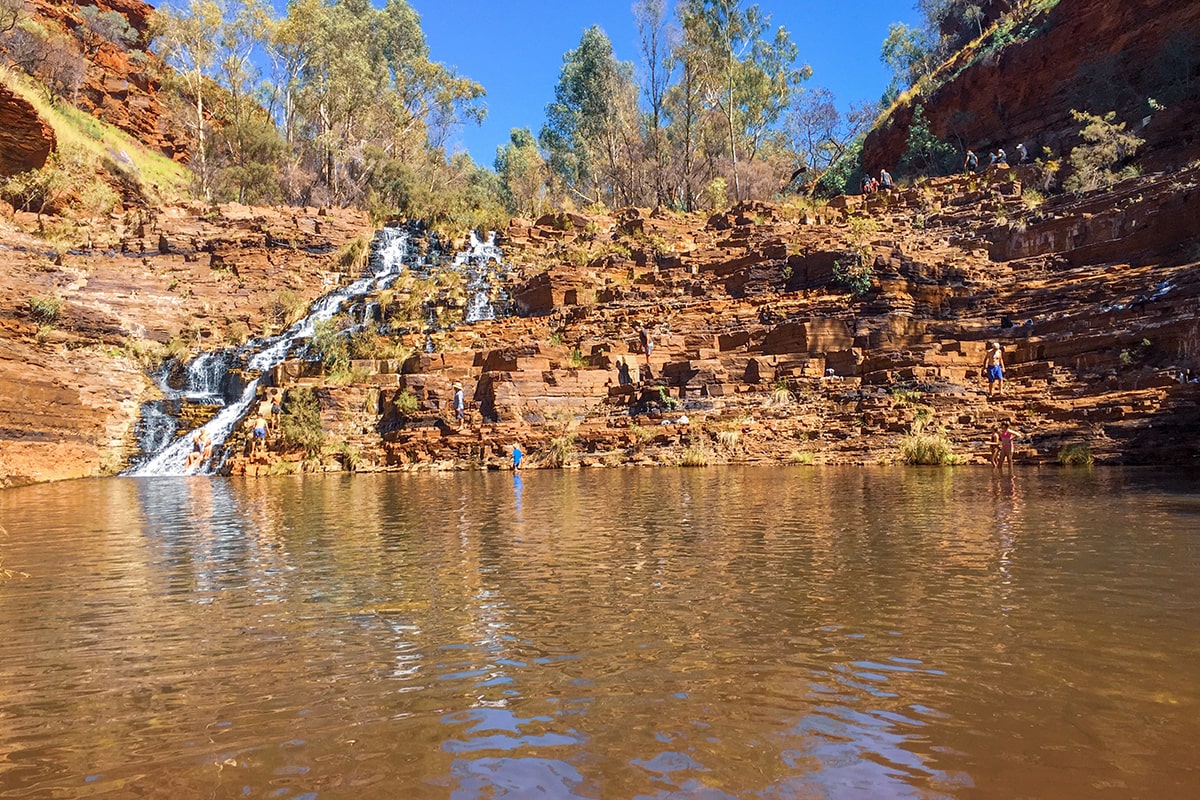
<point x="197" y="453"/>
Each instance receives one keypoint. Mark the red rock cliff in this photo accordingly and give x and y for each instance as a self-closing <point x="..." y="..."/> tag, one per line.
<point x="1093" y="55"/>
<point x="25" y="139"/>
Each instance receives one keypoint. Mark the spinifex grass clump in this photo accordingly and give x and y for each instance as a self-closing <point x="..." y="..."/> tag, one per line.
<point x="1076" y="454"/>
<point x="694" y="456"/>
<point x="922" y="446"/>
<point x="559" y="450"/>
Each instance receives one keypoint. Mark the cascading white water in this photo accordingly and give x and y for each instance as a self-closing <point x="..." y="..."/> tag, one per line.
<point x="205" y="376"/>
<point x="391" y="250"/>
<point x="481" y="263"/>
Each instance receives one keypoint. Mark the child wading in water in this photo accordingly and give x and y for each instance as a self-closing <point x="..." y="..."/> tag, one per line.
<point x="994" y="454"/>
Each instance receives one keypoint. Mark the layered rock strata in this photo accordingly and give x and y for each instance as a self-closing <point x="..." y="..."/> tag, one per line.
<point x="80" y="329"/>
<point x="760" y="355"/>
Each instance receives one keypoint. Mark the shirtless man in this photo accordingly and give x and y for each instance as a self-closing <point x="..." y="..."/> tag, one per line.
<point x="993" y="362"/>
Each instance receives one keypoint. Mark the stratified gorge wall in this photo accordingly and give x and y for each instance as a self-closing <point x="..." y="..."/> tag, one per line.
<point x="761" y="355"/>
<point x="1094" y="55"/>
<point x="79" y="330"/>
<point x="25" y="139"/>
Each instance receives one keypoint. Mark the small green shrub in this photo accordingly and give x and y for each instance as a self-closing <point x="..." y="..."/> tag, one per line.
<point x="715" y="197"/>
<point x="1106" y="146"/>
<point x="300" y="421"/>
<point x="1076" y="454"/>
<point x="904" y="397"/>
<point x="694" y="456"/>
<point x="801" y="458"/>
<point x="559" y="450"/>
<point x="331" y="344"/>
<point x="45" y="310"/>
<point x="853" y="274"/>
<point x="406" y="402"/>
<point x="350" y="455"/>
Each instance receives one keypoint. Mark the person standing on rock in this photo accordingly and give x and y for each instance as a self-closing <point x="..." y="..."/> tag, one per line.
<point x="458" y="404"/>
<point x="517" y="455"/>
<point x="260" y="434"/>
<point x="647" y="340"/>
<point x="885" y="180"/>
<point x="971" y="164"/>
<point x="1022" y="153"/>
<point x="993" y="365"/>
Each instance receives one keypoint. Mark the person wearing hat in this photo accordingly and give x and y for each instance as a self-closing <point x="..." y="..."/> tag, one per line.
<point x="458" y="404"/>
<point x="993" y="365"/>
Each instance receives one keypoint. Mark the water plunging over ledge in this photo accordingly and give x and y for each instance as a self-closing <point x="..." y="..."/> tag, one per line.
<point x="207" y="379"/>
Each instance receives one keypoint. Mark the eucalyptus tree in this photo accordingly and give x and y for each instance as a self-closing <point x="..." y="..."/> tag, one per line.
<point x="910" y="52"/>
<point x="522" y="173"/>
<point x="819" y="133"/>
<point x="747" y="73"/>
<point x="186" y="38"/>
<point x="100" y="27"/>
<point x="247" y="144"/>
<point x="354" y="87"/>
<point x="654" y="35"/>
<point x="591" y="131"/>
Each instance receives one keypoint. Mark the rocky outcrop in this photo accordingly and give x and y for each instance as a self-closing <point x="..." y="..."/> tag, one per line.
<point x="122" y="86"/>
<point x="761" y="355"/>
<point x="80" y="329"/>
<point x="26" y="141"/>
<point x="1091" y="55"/>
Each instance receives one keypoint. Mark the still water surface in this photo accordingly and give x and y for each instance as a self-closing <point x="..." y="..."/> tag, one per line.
<point x="714" y="633"/>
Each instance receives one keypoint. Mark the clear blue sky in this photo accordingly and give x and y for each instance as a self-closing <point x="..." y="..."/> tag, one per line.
<point x="515" y="49"/>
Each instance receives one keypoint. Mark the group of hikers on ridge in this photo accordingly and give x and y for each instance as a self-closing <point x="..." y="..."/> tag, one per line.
<point x="997" y="158"/>
<point x="883" y="183"/>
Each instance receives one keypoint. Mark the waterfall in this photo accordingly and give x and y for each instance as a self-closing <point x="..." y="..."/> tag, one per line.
<point x="481" y="263"/>
<point x="204" y="378"/>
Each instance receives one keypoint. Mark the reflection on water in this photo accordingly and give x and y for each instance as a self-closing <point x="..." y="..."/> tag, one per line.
<point x="721" y="633"/>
